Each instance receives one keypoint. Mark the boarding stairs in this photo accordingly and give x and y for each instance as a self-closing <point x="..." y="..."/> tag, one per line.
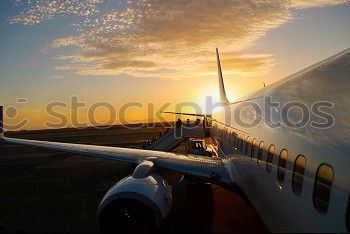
<point x="175" y="136"/>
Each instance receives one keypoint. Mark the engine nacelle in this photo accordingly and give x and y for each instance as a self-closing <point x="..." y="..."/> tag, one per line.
<point x="136" y="203"/>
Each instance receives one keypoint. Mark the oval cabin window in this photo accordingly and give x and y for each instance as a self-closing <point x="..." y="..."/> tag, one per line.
<point x="260" y="152"/>
<point x="233" y="138"/>
<point x="282" y="162"/>
<point x="252" y="149"/>
<point x="238" y="142"/>
<point x="269" y="158"/>
<point x="247" y="147"/>
<point x="241" y="144"/>
<point x="322" y="188"/>
<point x="298" y="174"/>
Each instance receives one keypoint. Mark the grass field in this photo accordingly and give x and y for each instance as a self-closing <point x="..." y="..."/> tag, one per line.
<point x="47" y="191"/>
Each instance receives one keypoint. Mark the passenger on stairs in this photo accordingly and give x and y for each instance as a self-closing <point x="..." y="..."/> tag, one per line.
<point x="178" y="123"/>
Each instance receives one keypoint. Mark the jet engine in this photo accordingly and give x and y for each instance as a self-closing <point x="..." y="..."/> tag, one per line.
<point x="137" y="203"/>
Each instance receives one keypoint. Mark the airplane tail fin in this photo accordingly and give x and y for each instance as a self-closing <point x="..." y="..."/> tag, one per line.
<point x="223" y="97"/>
<point x="1" y="122"/>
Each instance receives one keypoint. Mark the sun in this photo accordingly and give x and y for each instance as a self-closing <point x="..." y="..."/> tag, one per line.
<point x="209" y="101"/>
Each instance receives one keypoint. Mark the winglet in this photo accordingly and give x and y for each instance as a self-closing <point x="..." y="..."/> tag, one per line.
<point x="1" y="122"/>
<point x="223" y="97"/>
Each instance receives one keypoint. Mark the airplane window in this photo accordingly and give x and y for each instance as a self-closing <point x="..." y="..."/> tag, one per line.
<point x="252" y="149"/>
<point x="247" y="147"/>
<point x="269" y="159"/>
<point x="282" y="162"/>
<point x="240" y="144"/>
<point x="298" y="174"/>
<point x="243" y="142"/>
<point x="238" y="140"/>
<point x="260" y="152"/>
<point x="235" y="141"/>
<point x="322" y="188"/>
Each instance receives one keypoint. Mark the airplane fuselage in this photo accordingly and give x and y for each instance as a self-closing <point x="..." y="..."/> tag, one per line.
<point x="303" y="183"/>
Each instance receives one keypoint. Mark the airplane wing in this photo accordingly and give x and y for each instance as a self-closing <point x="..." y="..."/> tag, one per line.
<point x="210" y="168"/>
<point x="189" y="114"/>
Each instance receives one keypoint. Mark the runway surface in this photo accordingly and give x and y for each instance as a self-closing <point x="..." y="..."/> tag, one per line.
<point x="47" y="191"/>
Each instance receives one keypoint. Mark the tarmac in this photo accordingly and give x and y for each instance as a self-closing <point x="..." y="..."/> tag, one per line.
<point x="47" y="191"/>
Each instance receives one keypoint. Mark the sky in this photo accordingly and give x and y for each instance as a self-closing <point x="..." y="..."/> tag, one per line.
<point x="154" y="52"/>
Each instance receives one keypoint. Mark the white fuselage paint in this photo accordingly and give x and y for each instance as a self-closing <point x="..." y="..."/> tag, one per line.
<point x="279" y="207"/>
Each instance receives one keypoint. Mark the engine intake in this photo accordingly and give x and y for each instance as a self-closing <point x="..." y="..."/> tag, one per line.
<point x="136" y="203"/>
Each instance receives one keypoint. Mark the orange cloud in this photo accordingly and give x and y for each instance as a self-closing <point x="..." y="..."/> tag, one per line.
<point x="146" y="36"/>
<point x="241" y="63"/>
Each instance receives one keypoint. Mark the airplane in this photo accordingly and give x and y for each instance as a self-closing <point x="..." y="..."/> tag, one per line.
<point x="296" y="177"/>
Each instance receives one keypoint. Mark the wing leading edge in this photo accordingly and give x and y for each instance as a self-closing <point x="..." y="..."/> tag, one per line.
<point x="204" y="167"/>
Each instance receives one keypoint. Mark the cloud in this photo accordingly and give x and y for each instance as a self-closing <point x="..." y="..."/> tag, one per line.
<point x="40" y="10"/>
<point x="144" y="37"/>
<point x="57" y="77"/>
<point x="241" y="63"/>
<point x="316" y="3"/>
<point x="67" y="41"/>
